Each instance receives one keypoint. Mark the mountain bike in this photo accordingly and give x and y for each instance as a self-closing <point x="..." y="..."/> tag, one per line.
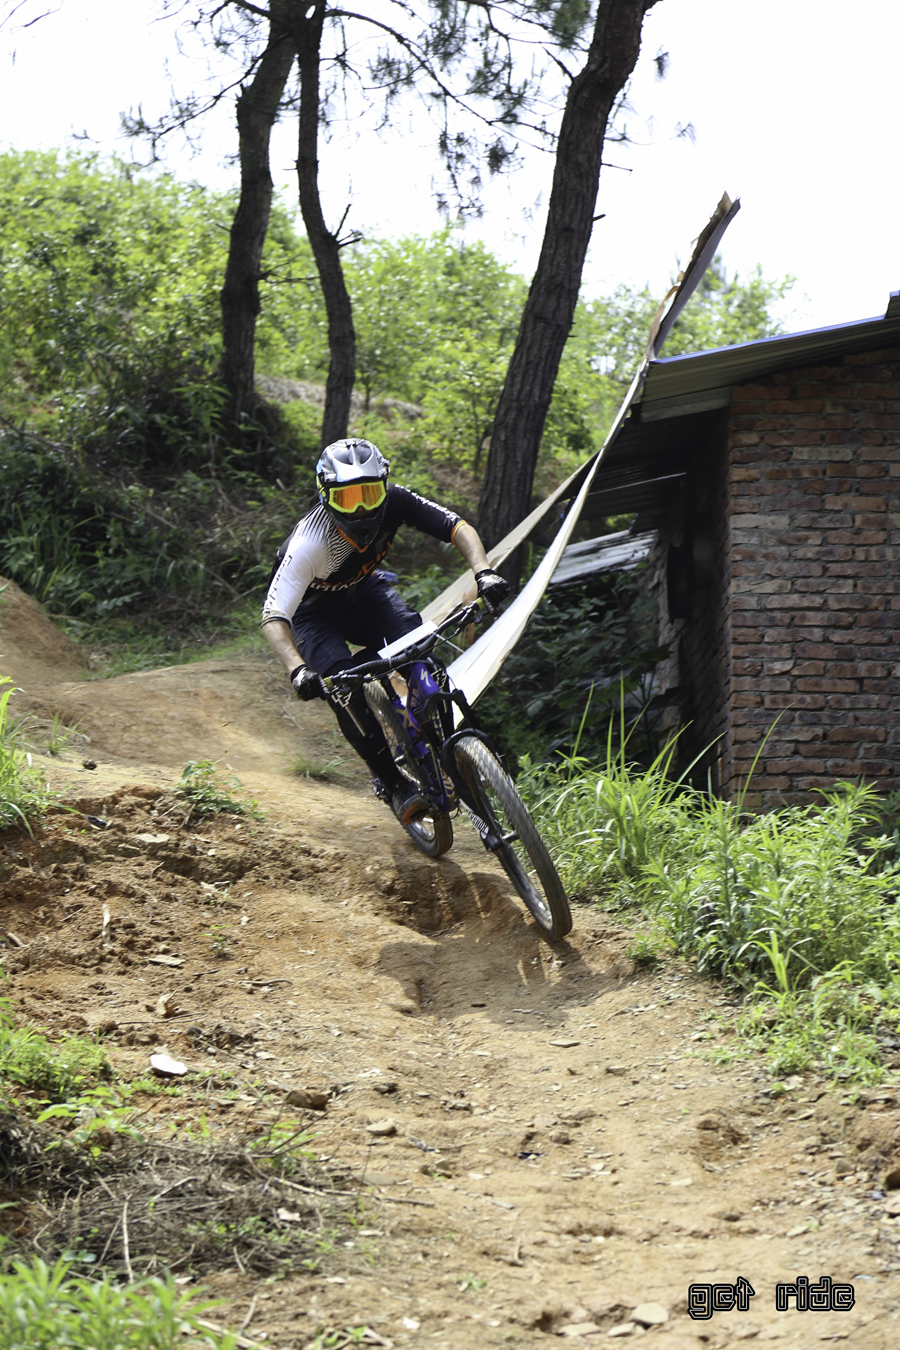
<point x="455" y="767"/>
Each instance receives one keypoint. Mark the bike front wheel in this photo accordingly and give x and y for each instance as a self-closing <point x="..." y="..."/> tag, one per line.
<point x="522" y="852"/>
<point x="431" y="834"/>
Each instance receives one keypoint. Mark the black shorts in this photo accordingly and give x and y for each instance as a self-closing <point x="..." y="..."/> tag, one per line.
<point x="370" y="616"/>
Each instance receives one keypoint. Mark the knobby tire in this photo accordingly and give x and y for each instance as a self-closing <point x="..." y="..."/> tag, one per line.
<point x="525" y="859"/>
<point x="432" y="834"/>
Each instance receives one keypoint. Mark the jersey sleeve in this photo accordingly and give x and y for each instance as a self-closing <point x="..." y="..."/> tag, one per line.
<point x="305" y="558"/>
<point x="424" y="515"/>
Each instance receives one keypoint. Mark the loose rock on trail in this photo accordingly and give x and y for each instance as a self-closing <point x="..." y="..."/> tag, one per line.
<point x="536" y="1141"/>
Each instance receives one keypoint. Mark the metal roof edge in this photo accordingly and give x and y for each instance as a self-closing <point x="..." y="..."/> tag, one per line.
<point x="671" y="376"/>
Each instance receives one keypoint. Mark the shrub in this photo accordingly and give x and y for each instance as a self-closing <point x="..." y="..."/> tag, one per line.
<point x="22" y="790"/>
<point x="797" y="906"/>
<point x="44" y="1308"/>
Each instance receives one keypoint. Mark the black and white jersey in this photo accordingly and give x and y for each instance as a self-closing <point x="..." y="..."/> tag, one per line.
<point x="319" y="557"/>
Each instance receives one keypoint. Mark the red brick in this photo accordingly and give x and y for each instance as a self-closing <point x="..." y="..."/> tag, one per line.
<point x="856" y="569"/>
<point x="795" y="765"/>
<point x="843" y="768"/>
<point x="861" y="734"/>
<point x="879" y="422"/>
<point x="815" y="650"/>
<point x="860" y="540"/>
<point x="795" y="701"/>
<point x="745" y="391"/>
<point x="795" y="405"/>
<point x="824" y="686"/>
<point x="741" y="684"/>
<point x="818" y="585"/>
<point x="770" y="651"/>
<point x="848" y="600"/>
<point x="745" y="438"/>
<point x="752" y="734"/>
<point x="850" y="670"/>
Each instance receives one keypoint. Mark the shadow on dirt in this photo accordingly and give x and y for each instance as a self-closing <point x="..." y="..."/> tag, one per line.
<point x="482" y="948"/>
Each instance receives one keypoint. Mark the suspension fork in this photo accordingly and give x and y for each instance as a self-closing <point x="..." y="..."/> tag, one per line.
<point x="472" y="807"/>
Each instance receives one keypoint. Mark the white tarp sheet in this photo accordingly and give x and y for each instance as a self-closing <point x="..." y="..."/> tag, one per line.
<point x="473" y="671"/>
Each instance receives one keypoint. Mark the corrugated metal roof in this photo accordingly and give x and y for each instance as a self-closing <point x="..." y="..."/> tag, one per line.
<point x="677" y="376"/>
<point x="680" y="400"/>
<point x="611" y="552"/>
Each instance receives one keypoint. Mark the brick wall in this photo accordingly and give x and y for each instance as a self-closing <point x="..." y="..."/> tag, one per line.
<point x="813" y="550"/>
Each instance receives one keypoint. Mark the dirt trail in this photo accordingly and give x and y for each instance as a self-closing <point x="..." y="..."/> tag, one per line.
<point x="556" y="1146"/>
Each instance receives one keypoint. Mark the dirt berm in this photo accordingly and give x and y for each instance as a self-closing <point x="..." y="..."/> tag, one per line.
<point x="563" y="1144"/>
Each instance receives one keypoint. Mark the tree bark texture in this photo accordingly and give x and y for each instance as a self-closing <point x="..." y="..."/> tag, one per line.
<point x="550" y="307"/>
<point x="257" y="109"/>
<point x="307" y="36"/>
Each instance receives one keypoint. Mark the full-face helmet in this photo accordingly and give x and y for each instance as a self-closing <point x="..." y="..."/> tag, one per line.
<point x="351" y="476"/>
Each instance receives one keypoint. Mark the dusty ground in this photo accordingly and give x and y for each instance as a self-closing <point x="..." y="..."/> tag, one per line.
<point x="563" y="1146"/>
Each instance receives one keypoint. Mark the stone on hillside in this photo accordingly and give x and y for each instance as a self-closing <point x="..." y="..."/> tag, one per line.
<point x="650" y="1314"/>
<point x="307" y="1099"/>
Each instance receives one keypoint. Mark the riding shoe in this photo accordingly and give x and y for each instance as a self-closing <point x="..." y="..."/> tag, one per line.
<point x="408" y="803"/>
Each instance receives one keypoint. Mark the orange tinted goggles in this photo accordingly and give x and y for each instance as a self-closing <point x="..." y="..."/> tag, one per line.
<point x="353" y="495"/>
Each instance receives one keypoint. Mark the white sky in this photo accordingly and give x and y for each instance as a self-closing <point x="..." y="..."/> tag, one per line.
<point x="793" y="101"/>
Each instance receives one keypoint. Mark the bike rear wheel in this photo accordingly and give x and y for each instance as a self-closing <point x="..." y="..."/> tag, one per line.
<point x="522" y="853"/>
<point x="432" y="834"/>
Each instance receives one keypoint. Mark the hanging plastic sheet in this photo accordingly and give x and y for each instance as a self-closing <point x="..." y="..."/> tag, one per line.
<point x="474" y="669"/>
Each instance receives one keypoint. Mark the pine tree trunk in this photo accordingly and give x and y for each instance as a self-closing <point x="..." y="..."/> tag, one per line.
<point x="550" y="307"/>
<point x="307" y="34"/>
<point x="257" y="109"/>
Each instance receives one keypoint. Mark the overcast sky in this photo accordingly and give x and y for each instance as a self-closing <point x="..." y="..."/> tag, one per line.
<point x="793" y="103"/>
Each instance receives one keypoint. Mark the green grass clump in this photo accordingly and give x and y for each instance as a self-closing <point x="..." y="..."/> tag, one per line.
<point x="209" y="792"/>
<point x="58" y="1072"/>
<point x="796" y="906"/>
<point x="22" y="791"/>
<point x="45" y="1308"/>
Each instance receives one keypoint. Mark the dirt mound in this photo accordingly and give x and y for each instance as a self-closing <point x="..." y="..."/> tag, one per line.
<point x="237" y="711"/>
<point x="537" y="1138"/>
<point x="33" y="650"/>
<point x="536" y="1141"/>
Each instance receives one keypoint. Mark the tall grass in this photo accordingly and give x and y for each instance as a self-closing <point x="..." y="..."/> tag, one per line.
<point x="796" y="905"/>
<point x="45" y="1308"/>
<point x="22" y="793"/>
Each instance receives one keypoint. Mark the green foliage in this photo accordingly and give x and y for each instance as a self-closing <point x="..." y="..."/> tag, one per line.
<point x="718" y="314"/>
<point x="106" y="277"/>
<point x="421" y="589"/>
<point x="94" y="1115"/>
<point x="22" y="790"/>
<point x="45" y="1308"/>
<point x="122" y="496"/>
<point x="209" y="792"/>
<point x="109" y="286"/>
<point x="436" y="321"/>
<point x="57" y="1072"/>
<point x="605" y="824"/>
<point x="585" y="647"/>
<point x="414" y="297"/>
<point x="796" y="905"/>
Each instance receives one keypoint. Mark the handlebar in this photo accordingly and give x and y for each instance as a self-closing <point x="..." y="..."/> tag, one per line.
<point x="374" y="669"/>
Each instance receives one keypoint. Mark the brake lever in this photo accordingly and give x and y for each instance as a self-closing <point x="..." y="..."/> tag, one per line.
<point x="469" y="614"/>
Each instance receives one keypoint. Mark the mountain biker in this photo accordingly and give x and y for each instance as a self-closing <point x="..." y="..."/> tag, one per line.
<point x="327" y="590"/>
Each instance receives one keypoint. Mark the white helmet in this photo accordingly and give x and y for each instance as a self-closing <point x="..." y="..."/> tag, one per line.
<point x="351" y="476"/>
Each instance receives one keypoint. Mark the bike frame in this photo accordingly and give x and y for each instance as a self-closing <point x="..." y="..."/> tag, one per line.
<point x="425" y="692"/>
